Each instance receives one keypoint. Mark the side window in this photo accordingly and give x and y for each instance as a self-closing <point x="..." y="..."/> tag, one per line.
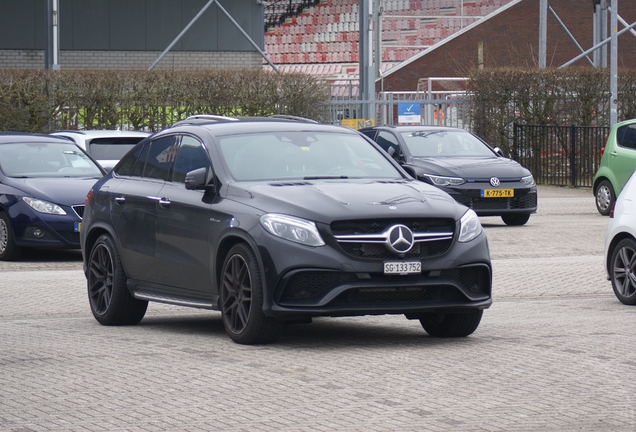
<point x="160" y="157"/>
<point x="369" y="133"/>
<point x="135" y="159"/>
<point x="387" y="140"/>
<point x="191" y="156"/>
<point x="626" y="136"/>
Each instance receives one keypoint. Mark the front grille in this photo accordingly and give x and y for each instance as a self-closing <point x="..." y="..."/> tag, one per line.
<point x="370" y="250"/>
<point x="315" y="284"/>
<point x="372" y="226"/>
<point x="79" y="211"/>
<point x="70" y="236"/>
<point x="398" y="295"/>
<point x="515" y="203"/>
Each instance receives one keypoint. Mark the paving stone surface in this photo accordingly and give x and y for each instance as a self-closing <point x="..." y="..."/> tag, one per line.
<point x="555" y="352"/>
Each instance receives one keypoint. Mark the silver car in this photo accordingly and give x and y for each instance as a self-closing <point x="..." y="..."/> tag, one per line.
<point x="105" y="146"/>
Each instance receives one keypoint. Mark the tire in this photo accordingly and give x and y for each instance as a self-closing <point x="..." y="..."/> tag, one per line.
<point x="451" y="324"/>
<point x="109" y="298"/>
<point x="9" y="251"/>
<point x="622" y="271"/>
<point x="604" y="197"/>
<point x="515" y="219"/>
<point x="242" y="299"/>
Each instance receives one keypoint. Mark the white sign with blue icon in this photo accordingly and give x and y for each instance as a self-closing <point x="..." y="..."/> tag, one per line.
<point x="409" y="113"/>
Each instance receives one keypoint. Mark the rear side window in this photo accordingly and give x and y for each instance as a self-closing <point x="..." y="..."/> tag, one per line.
<point x="626" y="136"/>
<point x="134" y="159"/>
<point x="161" y="155"/>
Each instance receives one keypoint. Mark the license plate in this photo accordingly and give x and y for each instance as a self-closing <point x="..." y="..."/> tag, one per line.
<point x="77" y="227"/>
<point x="403" y="267"/>
<point x="497" y="193"/>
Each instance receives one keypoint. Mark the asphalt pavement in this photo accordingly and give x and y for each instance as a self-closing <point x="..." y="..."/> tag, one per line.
<point x="555" y="352"/>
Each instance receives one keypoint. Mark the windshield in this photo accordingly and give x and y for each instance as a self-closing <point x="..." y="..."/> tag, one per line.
<point x="46" y="160"/>
<point x="304" y="155"/>
<point x="436" y="143"/>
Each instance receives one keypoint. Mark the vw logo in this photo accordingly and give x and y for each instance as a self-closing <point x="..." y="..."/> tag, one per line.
<point x="400" y="239"/>
<point x="494" y="182"/>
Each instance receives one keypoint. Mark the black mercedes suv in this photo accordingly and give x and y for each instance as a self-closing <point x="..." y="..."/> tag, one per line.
<point x="271" y="221"/>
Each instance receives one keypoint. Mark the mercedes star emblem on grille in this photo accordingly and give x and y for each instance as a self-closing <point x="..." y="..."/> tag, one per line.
<point x="400" y="239"/>
<point x="494" y="182"/>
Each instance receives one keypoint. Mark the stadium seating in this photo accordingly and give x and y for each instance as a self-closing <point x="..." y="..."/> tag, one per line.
<point x="326" y="31"/>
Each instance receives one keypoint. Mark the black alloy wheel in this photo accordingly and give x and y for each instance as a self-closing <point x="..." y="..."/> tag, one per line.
<point x="110" y="300"/>
<point x="242" y="299"/>
<point x="460" y="324"/>
<point x="605" y="197"/>
<point x="623" y="271"/>
<point x="9" y="251"/>
<point x="515" y="219"/>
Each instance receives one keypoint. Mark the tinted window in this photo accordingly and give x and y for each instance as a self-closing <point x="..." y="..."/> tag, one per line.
<point x="191" y="156"/>
<point x="386" y="140"/>
<point x="160" y="157"/>
<point x="626" y="136"/>
<point x="129" y="162"/>
<point x="112" y="148"/>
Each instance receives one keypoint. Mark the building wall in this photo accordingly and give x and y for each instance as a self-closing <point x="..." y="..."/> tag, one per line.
<point x="124" y="34"/>
<point x="511" y="38"/>
<point x="141" y="60"/>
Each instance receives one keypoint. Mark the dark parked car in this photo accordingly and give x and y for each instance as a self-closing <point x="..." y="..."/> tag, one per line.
<point x="273" y="221"/>
<point x="461" y="164"/>
<point x="43" y="185"/>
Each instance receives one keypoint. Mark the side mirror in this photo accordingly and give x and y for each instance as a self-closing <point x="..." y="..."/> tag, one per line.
<point x="198" y="180"/>
<point x="498" y="151"/>
<point x="391" y="151"/>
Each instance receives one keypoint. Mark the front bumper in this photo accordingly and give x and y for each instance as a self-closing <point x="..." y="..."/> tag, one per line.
<point x="524" y="200"/>
<point x="326" y="281"/>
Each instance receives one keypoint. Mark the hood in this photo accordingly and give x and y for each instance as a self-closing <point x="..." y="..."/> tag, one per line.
<point x="471" y="168"/>
<point x="64" y="190"/>
<point x="329" y="200"/>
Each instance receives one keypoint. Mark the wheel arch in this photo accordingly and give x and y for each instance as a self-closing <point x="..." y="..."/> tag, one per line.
<point x="92" y="236"/>
<point x="226" y="243"/>
<point x="610" y="249"/>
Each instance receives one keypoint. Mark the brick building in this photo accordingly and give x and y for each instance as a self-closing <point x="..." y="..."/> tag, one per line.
<point x="510" y="37"/>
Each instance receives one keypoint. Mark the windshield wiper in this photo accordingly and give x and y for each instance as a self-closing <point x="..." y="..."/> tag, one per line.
<point x="325" y="177"/>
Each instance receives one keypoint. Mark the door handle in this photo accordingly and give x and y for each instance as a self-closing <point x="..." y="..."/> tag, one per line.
<point x="120" y="200"/>
<point x="164" y="202"/>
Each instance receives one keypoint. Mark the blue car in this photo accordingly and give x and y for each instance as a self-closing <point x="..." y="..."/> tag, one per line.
<point x="43" y="185"/>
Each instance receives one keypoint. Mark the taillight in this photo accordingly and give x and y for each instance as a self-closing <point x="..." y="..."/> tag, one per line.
<point x="611" y="215"/>
<point x="88" y="197"/>
<point x="602" y="151"/>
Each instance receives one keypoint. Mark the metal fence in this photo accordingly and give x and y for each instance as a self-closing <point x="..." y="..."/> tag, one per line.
<point x="560" y="155"/>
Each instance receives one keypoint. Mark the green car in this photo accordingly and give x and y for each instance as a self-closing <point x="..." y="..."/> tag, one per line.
<point x="617" y="165"/>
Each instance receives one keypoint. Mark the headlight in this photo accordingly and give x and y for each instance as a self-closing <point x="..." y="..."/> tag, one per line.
<point x="528" y="180"/>
<point x="445" y="181"/>
<point x="469" y="226"/>
<point x="43" y="206"/>
<point x="292" y="229"/>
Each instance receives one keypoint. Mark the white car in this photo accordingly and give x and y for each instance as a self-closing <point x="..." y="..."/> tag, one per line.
<point x="105" y="146"/>
<point x="620" y="245"/>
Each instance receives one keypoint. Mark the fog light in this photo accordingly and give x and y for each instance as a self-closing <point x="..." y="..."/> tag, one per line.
<point x="38" y="232"/>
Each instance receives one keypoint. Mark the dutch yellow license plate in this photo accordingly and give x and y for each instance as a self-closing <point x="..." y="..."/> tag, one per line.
<point x="497" y="193"/>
